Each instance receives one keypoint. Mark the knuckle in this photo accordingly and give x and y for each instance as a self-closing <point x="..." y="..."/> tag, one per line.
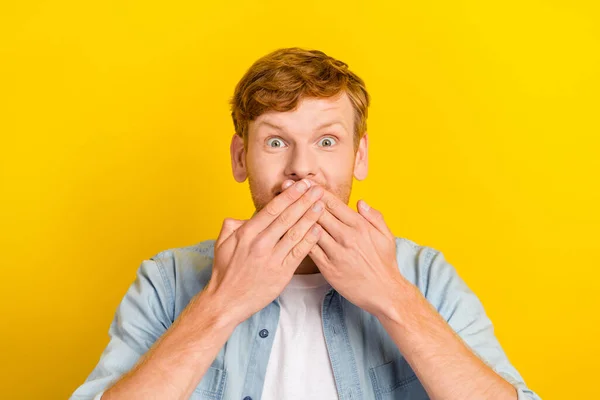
<point x="227" y="222"/>
<point x="289" y="195"/>
<point x="259" y="246"/>
<point x="284" y="219"/>
<point x="347" y="241"/>
<point x="331" y="204"/>
<point x="311" y="239"/>
<point x="236" y="224"/>
<point x="293" y="235"/>
<point x="271" y="209"/>
<point x="240" y="233"/>
<point x="354" y="223"/>
<point x="297" y="252"/>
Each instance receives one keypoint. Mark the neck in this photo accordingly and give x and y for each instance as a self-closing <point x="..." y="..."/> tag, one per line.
<point x="307" y="266"/>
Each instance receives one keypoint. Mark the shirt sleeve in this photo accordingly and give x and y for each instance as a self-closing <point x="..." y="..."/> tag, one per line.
<point x="143" y="315"/>
<point x="464" y="312"/>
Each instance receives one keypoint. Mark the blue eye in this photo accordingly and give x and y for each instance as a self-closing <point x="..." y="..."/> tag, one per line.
<point x="275" y="142"/>
<point x="327" y="141"/>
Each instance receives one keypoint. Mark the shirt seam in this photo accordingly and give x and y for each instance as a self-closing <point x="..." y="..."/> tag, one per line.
<point x="171" y="295"/>
<point x="430" y="256"/>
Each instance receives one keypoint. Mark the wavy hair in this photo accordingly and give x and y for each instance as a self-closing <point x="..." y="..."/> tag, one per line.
<point x="280" y="79"/>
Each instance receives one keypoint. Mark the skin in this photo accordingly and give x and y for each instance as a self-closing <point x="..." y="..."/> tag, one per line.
<point x="254" y="260"/>
<point x="302" y="224"/>
<point x="356" y="251"/>
<point x="314" y="142"/>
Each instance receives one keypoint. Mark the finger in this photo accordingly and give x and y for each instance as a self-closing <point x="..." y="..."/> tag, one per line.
<point x="290" y="216"/>
<point x="374" y="216"/>
<point x="286" y="184"/>
<point x="328" y="244"/>
<point x="340" y="209"/>
<point x="275" y="207"/>
<point x="301" y="250"/>
<point x="229" y="226"/>
<point x="319" y="257"/>
<point x="297" y="232"/>
<point x="336" y="228"/>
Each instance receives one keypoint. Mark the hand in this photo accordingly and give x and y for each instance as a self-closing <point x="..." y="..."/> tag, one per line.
<point x="356" y="253"/>
<point x="255" y="259"/>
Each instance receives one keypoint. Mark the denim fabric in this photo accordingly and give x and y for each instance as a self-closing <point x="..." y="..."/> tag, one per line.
<point x="366" y="362"/>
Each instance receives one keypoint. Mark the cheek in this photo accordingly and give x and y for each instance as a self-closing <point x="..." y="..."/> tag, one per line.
<point x="263" y="166"/>
<point x="339" y="176"/>
<point x="264" y="175"/>
<point x="337" y="169"/>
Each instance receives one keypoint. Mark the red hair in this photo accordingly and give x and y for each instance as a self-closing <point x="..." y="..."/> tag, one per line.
<point x="280" y="79"/>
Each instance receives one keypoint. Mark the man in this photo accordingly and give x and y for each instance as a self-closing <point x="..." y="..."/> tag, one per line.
<point x="307" y="299"/>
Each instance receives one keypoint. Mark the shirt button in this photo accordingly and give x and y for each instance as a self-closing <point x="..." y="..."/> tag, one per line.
<point x="263" y="334"/>
<point x="247" y="398"/>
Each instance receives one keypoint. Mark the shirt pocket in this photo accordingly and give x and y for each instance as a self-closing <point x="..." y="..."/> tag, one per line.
<point x="211" y="386"/>
<point x="396" y="380"/>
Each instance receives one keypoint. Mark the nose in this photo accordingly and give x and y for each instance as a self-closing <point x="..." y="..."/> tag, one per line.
<point x="301" y="164"/>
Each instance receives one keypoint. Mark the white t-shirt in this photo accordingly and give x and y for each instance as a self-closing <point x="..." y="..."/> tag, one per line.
<point x="299" y="365"/>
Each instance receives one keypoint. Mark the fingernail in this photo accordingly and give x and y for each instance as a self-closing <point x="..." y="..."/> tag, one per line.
<point x="318" y="206"/>
<point x="302" y="185"/>
<point x="287" y="184"/>
<point x="364" y="205"/>
<point x="316" y="192"/>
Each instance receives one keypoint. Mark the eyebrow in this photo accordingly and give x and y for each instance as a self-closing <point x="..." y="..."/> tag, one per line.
<point x="281" y="128"/>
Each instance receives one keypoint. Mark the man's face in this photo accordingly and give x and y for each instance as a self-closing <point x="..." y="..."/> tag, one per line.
<point x="314" y="141"/>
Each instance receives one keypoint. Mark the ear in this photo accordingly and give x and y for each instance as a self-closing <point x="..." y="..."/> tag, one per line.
<point x="238" y="158"/>
<point x="361" y="160"/>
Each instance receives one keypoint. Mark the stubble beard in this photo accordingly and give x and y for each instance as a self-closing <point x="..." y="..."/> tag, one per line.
<point x="262" y="196"/>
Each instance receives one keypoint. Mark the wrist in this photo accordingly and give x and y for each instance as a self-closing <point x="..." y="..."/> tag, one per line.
<point x="216" y="307"/>
<point x="402" y="297"/>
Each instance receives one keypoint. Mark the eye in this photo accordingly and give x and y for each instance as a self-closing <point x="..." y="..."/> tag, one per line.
<point x="327" y="141"/>
<point x="275" y="143"/>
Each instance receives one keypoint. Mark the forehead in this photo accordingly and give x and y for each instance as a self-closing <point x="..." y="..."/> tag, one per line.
<point x="309" y="114"/>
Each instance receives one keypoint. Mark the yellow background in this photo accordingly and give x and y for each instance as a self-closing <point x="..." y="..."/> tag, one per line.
<point x="115" y="130"/>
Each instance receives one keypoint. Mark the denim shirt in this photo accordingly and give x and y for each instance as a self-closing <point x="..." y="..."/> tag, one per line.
<point x="366" y="362"/>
